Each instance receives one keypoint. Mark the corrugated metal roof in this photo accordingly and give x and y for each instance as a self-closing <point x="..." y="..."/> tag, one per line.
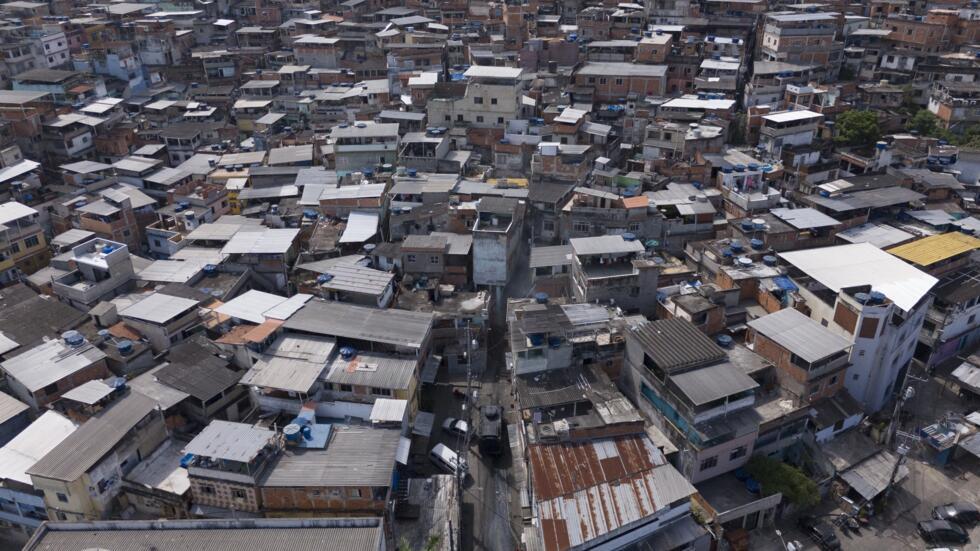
<point x="361" y="226"/>
<point x="374" y="370"/>
<point x="230" y="441"/>
<point x="293" y="363"/>
<point x="604" y="244"/>
<point x="194" y="370"/>
<point x="89" y="392"/>
<point x="879" y="235"/>
<point x="871" y="198"/>
<point x="10" y="407"/>
<point x="388" y="410"/>
<point x="253" y="305"/>
<point x="936" y="248"/>
<point x="588" y="490"/>
<point x="352" y="278"/>
<point x="863" y="264"/>
<point x="159" y="308"/>
<point x="335" y="534"/>
<point x="269" y="241"/>
<point x="558" y="255"/>
<point x="288" y="307"/>
<point x="165" y="396"/>
<point x="355" y="456"/>
<point x="799" y="334"/>
<point x="968" y="375"/>
<point x="50" y="362"/>
<point x="338" y="319"/>
<point x="804" y="218"/>
<point x="170" y="271"/>
<point x="707" y="384"/>
<point x="870" y="477"/>
<point x="85" y="447"/>
<point x="676" y="344"/>
<point x="33" y="443"/>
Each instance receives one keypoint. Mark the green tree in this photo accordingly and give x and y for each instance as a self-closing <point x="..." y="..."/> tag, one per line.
<point x="924" y="122"/>
<point x="857" y="128"/>
<point x="775" y="476"/>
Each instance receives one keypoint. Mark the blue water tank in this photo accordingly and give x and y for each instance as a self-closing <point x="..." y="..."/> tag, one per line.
<point x="324" y="278"/>
<point x="727" y="170"/>
<point x="292" y="432"/>
<point x="554" y="342"/>
<point x="770" y="260"/>
<point x="107" y="249"/>
<point x="310" y="213"/>
<point x="862" y="298"/>
<point x="541" y="298"/>
<point x="629" y="236"/>
<point x="727" y="253"/>
<point x="412" y="173"/>
<point x="73" y="338"/>
<point x="737" y="246"/>
<point x="186" y="460"/>
<point x="307" y="431"/>
<point x="537" y="339"/>
<point x="876" y="297"/>
<point x="210" y="270"/>
<point x="348" y="353"/>
<point x="747" y="225"/>
<point x="757" y="244"/>
<point x="723" y="341"/>
<point x="125" y="347"/>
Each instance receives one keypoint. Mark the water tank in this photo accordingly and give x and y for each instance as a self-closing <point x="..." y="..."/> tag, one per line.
<point x="876" y="297"/>
<point x="757" y="244"/>
<point x="324" y="278"/>
<point x="862" y="298"/>
<point x="723" y="341"/>
<point x="726" y="170"/>
<point x="753" y="166"/>
<point x="739" y="168"/>
<point x="629" y="236"/>
<point x="541" y="298"/>
<point x="727" y="253"/>
<point x="412" y="173"/>
<point x="104" y="334"/>
<point x="748" y="225"/>
<point x="770" y="260"/>
<point x="307" y="431"/>
<point x="881" y="145"/>
<point x="124" y="347"/>
<point x="309" y="213"/>
<point x="554" y="343"/>
<point x="758" y="223"/>
<point x="369" y="248"/>
<point x="292" y="432"/>
<point x="348" y="353"/>
<point x="210" y="270"/>
<point x="107" y="249"/>
<point x="744" y="261"/>
<point x="73" y="338"/>
<point x="737" y="246"/>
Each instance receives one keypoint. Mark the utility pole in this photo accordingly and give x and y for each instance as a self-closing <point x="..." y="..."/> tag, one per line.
<point x="462" y="442"/>
<point x="903" y="450"/>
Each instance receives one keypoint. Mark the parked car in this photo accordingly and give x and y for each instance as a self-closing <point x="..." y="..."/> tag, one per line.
<point x="456" y="427"/>
<point x="959" y="512"/>
<point x="447" y="459"/>
<point x="937" y="531"/>
<point x="820" y="532"/>
<point x="491" y="429"/>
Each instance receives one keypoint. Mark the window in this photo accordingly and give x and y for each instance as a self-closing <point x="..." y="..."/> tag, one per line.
<point x="381" y="391"/>
<point x="602" y="80"/>
<point x="855" y="377"/>
<point x="346" y="388"/>
<point x="736" y="453"/>
<point x="157" y="243"/>
<point x="549" y="225"/>
<point x="62" y="497"/>
<point x="433" y="260"/>
<point x="479" y="118"/>
<point x="207" y="489"/>
<point x="500" y="120"/>
<point x="619" y="81"/>
<point x="410" y="258"/>
<point x="493" y="101"/>
<point x="355" y="492"/>
<point x="238" y="494"/>
<point x="478" y="101"/>
<point x="591" y="80"/>
<point x="833" y="381"/>
<point x="32" y="241"/>
<point x="581" y="226"/>
<point x="15" y="248"/>
<point x="709" y="463"/>
<point x="448" y="118"/>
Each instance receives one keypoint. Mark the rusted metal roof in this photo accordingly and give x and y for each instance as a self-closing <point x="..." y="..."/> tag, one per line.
<point x="587" y="490"/>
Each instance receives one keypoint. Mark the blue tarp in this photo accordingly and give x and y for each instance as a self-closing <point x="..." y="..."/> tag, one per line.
<point x="785" y="283"/>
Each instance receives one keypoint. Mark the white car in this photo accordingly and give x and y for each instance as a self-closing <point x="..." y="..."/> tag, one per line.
<point x="447" y="459"/>
<point x="455" y="426"/>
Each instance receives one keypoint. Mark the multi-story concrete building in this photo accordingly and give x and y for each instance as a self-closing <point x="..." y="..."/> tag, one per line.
<point x="874" y="300"/>
<point x="802" y="38"/>
<point x="612" y="270"/>
<point x="498" y="237"/>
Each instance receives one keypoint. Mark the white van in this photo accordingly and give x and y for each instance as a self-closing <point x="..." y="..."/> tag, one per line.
<point x="446" y="458"/>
